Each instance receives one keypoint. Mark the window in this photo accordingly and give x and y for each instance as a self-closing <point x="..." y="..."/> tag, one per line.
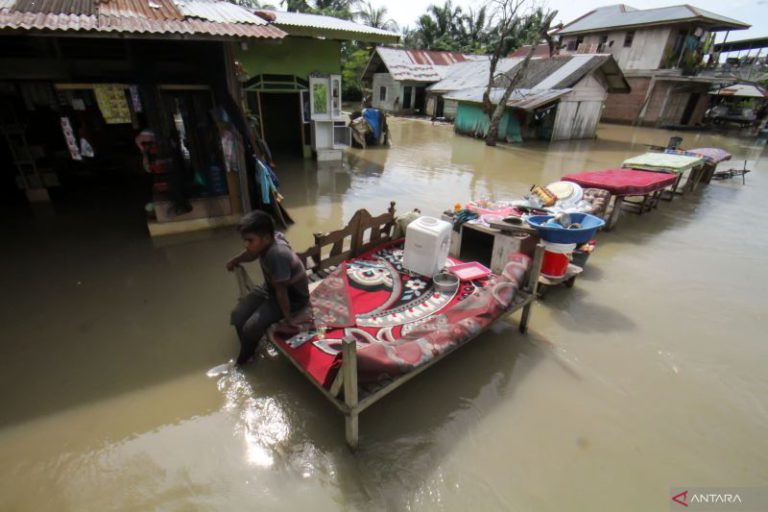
<point x="382" y="93"/>
<point x="603" y="40"/>
<point x="628" y="38"/>
<point x="579" y="40"/>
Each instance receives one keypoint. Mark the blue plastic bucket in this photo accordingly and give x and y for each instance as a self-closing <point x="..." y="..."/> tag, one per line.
<point x="561" y="235"/>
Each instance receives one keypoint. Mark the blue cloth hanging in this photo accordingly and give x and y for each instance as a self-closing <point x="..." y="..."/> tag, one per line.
<point x="265" y="182"/>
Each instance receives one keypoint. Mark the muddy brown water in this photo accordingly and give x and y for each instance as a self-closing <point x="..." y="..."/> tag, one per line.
<point x="649" y="374"/>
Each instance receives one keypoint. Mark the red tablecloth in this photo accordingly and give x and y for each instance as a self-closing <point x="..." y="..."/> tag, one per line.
<point x="623" y="182"/>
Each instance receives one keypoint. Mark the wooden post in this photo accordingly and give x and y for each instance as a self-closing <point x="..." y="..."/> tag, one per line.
<point x="614" y="217"/>
<point x="532" y="286"/>
<point x="349" y="370"/>
<point x="641" y="115"/>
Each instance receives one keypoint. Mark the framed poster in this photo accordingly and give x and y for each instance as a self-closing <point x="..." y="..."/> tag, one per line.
<point x="319" y="98"/>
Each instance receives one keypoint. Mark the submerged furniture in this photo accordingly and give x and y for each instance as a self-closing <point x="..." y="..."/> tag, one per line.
<point x="712" y="157"/>
<point x="623" y="183"/>
<point x="376" y="326"/>
<point x="670" y="163"/>
<point x="732" y="173"/>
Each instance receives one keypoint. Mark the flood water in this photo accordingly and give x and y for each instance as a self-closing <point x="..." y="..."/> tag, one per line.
<point x="649" y="374"/>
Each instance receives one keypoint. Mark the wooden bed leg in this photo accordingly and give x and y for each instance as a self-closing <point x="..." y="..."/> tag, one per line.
<point x="349" y="370"/>
<point x="532" y="286"/>
<point x="614" y="218"/>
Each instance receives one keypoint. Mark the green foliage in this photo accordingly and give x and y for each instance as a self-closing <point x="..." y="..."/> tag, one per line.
<point x="448" y="27"/>
<point x="354" y="60"/>
<point x="375" y="17"/>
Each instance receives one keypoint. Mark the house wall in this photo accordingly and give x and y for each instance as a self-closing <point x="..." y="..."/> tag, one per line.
<point x="471" y="120"/>
<point x="646" y="52"/>
<point x="579" y="112"/>
<point x="299" y="56"/>
<point x="449" y="109"/>
<point x="670" y="100"/>
<point x="624" y="108"/>
<point x="393" y="91"/>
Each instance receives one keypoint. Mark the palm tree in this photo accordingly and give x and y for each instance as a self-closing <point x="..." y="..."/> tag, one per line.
<point x="296" y="5"/>
<point x="376" y="17"/>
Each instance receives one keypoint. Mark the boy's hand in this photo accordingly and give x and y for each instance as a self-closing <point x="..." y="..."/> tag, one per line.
<point x="287" y="326"/>
<point x="231" y="264"/>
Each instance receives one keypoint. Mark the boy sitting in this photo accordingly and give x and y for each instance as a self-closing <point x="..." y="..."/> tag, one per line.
<point x="285" y="291"/>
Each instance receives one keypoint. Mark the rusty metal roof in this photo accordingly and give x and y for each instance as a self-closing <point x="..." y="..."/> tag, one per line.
<point x="150" y="9"/>
<point x="420" y="65"/>
<point x="136" y="17"/>
<point x="526" y="99"/>
<point x="87" y="7"/>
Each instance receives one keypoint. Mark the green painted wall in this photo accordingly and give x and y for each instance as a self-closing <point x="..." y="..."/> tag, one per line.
<point x="471" y="120"/>
<point x="298" y="56"/>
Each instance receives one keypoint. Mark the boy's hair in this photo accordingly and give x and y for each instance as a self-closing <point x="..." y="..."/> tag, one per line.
<point x="256" y="222"/>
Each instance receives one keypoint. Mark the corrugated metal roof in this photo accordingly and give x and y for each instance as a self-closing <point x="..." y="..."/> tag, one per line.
<point x="614" y="16"/>
<point x="221" y="12"/>
<point x="298" y="19"/>
<point x="526" y="99"/>
<point x="150" y="9"/>
<point x="742" y="90"/>
<point x="421" y="65"/>
<point x="468" y="74"/>
<point x="86" y="7"/>
<point x="541" y="51"/>
<point x="561" y="72"/>
<point x="566" y="70"/>
<point x="145" y="17"/>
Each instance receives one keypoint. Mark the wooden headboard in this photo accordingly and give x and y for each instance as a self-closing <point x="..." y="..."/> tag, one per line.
<point x="362" y="233"/>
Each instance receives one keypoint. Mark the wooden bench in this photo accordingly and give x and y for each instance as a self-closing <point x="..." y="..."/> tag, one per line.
<point x="363" y="233"/>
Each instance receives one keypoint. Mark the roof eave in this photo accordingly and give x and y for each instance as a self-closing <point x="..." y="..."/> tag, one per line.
<point x="712" y="25"/>
<point x="158" y="36"/>
<point x="340" y="35"/>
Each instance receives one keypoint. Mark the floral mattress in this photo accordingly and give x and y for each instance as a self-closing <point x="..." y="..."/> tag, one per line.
<point x="398" y="319"/>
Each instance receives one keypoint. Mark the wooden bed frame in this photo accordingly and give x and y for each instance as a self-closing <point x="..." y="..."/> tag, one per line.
<point x="363" y="233"/>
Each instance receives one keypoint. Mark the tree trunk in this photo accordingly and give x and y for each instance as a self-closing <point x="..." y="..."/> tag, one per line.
<point x="493" y="129"/>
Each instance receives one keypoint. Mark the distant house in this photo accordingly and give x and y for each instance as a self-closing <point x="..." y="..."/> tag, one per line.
<point x="276" y="78"/>
<point x="462" y="75"/>
<point x="660" y="51"/>
<point x="557" y="99"/>
<point x="398" y="78"/>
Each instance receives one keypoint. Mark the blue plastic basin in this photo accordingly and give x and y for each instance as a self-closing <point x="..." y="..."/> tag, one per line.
<point x="560" y="235"/>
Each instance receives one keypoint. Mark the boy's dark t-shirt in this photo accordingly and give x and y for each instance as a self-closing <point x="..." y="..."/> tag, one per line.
<point x="280" y="264"/>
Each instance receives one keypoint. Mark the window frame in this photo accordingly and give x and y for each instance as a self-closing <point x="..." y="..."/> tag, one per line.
<point x="629" y="38"/>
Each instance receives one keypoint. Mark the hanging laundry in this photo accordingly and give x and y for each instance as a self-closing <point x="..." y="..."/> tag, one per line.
<point x="69" y="136"/>
<point x="86" y="149"/>
<point x="135" y="98"/>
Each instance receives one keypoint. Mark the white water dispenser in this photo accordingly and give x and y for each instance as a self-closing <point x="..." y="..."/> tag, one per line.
<point x="427" y="241"/>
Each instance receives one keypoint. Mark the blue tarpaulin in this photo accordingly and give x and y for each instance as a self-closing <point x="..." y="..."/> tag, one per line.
<point x="373" y="116"/>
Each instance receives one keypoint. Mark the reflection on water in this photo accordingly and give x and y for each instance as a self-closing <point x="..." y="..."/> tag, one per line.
<point x="648" y="374"/>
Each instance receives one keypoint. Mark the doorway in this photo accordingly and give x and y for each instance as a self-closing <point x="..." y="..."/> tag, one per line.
<point x="282" y="122"/>
<point x="420" y="100"/>
<point x="693" y="100"/>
